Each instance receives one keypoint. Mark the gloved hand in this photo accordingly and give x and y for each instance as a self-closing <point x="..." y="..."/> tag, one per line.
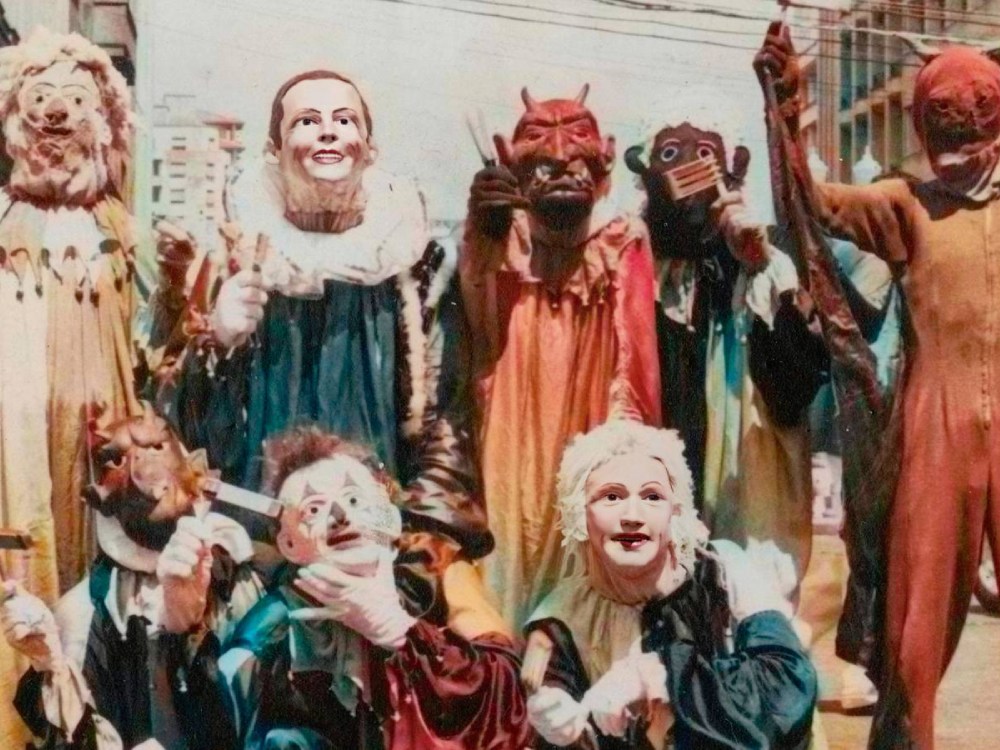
<point x="537" y="654"/>
<point x="558" y="718"/>
<point x="184" y="568"/>
<point x="777" y="58"/>
<point x="750" y="586"/>
<point x="632" y="679"/>
<point x="743" y="235"/>
<point x="492" y="198"/>
<point x="175" y="249"/>
<point x="367" y="604"/>
<point x="30" y="628"/>
<point x="239" y="308"/>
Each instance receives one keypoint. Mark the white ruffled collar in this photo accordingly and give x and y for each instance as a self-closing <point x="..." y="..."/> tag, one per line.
<point x="391" y="239"/>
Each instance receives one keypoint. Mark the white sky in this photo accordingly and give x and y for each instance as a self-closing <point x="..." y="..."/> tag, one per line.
<point x="423" y="68"/>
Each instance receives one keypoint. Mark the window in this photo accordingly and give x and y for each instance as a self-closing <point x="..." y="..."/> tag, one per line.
<point x="157" y="163"/>
<point x="156" y="193"/>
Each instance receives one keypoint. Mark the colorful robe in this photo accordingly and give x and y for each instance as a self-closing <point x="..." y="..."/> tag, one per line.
<point x="453" y="685"/>
<point x="551" y="359"/>
<point x="129" y="680"/>
<point x="362" y="335"/>
<point x="66" y="355"/>
<point x="760" y="694"/>
<point x="739" y="368"/>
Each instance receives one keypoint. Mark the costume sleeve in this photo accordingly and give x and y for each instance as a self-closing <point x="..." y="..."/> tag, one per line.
<point x="243" y="668"/>
<point x="465" y="691"/>
<point x="635" y="392"/>
<point x="874" y="217"/>
<point x="761" y="697"/>
<point x="59" y="711"/>
<point x="789" y="361"/>
<point x="444" y="493"/>
<point x="204" y="402"/>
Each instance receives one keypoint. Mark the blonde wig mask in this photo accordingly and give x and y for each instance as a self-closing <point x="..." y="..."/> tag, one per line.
<point x="588" y="452"/>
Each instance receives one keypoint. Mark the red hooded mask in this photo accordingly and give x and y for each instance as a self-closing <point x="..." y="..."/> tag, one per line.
<point x="956" y="113"/>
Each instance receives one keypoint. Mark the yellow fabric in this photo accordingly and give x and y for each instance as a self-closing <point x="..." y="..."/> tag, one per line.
<point x="62" y="352"/>
<point x="550" y="362"/>
<point x="603" y="629"/>
<point x="471" y="614"/>
<point x="757" y="475"/>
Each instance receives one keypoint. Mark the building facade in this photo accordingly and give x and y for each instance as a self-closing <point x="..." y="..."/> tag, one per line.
<point x="194" y="156"/>
<point x="864" y="77"/>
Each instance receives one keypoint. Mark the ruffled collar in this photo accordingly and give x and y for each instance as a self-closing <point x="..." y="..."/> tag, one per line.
<point x="390" y="239"/>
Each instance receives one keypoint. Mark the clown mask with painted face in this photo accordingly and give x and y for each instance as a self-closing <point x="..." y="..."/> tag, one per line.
<point x="320" y="138"/>
<point x="337" y="507"/>
<point x="561" y="163"/>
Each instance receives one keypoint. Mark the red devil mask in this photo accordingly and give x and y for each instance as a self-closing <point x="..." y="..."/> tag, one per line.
<point x="558" y="156"/>
<point x="956" y="113"/>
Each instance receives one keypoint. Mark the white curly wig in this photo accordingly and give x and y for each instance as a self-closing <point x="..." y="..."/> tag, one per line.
<point x="619" y="437"/>
<point x="42" y="50"/>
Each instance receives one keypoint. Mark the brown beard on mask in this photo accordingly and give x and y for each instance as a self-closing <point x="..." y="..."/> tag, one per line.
<point x="321" y="206"/>
<point x="58" y="170"/>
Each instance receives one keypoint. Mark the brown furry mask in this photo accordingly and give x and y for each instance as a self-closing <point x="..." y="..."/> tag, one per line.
<point x="144" y="478"/>
<point x="58" y="136"/>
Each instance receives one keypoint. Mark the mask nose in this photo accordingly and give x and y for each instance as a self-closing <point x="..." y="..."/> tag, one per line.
<point x="337" y="518"/>
<point x="56" y="112"/>
<point x="328" y="137"/>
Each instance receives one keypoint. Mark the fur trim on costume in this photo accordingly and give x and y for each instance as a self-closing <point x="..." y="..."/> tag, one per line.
<point x="390" y="239"/>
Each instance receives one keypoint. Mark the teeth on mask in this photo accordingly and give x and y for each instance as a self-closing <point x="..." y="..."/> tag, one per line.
<point x="543" y="171"/>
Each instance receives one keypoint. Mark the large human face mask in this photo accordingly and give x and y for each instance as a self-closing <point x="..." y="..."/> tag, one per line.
<point x="323" y="134"/>
<point x="956" y="113"/>
<point x="560" y="161"/>
<point x="629" y="514"/>
<point x="336" y="506"/>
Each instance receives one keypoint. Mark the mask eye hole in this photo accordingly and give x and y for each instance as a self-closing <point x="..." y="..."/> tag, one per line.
<point x="669" y="153"/>
<point x="706" y="152"/>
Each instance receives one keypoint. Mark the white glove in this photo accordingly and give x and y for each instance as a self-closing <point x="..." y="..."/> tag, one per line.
<point x="184" y="568"/>
<point x="368" y="605"/>
<point x="743" y="235"/>
<point x="239" y="308"/>
<point x="632" y="679"/>
<point x="750" y="586"/>
<point x="30" y="628"/>
<point x="558" y="718"/>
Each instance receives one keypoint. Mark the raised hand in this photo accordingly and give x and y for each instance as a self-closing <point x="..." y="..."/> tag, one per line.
<point x="492" y="199"/>
<point x="367" y="604"/>
<point x="185" y="571"/>
<point x="744" y="236"/>
<point x="777" y="58"/>
<point x="30" y="627"/>
<point x="239" y="308"/>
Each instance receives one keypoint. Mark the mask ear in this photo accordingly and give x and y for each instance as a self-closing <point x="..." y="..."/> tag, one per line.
<point x="270" y="152"/>
<point x="504" y="150"/>
<point x="608" y="154"/>
<point x="741" y="164"/>
<point x="633" y="160"/>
